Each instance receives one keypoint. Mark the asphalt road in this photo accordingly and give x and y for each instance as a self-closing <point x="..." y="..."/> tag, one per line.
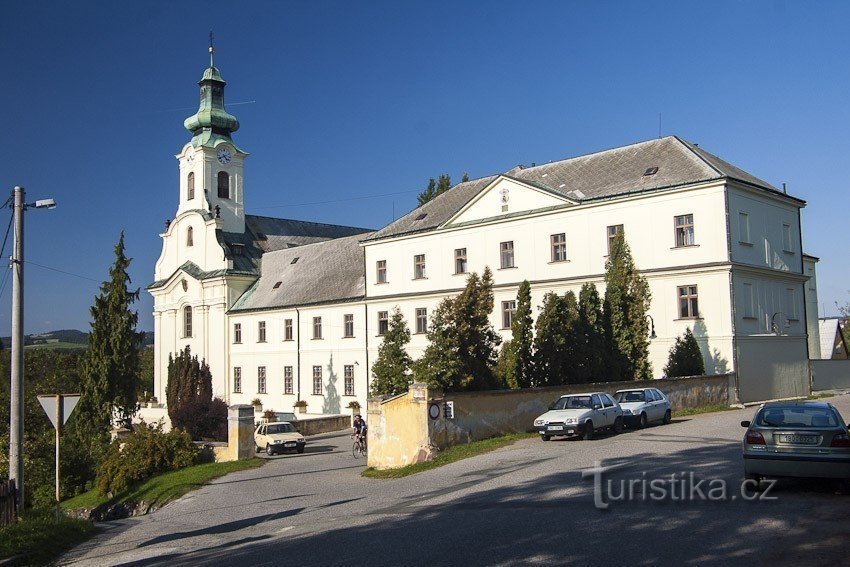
<point x="523" y="504"/>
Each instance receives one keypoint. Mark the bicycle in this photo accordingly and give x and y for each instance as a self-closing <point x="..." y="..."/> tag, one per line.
<point x="359" y="447"/>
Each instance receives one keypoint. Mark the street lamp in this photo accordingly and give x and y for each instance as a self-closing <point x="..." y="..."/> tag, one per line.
<point x="774" y="328"/>
<point x="16" y="410"/>
<point x="652" y="334"/>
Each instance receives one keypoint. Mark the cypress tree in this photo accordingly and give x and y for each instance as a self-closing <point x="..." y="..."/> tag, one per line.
<point x="519" y="360"/>
<point x="590" y="350"/>
<point x="465" y="178"/>
<point x="550" y="342"/>
<point x="569" y="317"/>
<point x="190" y="401"/>
<point x="110" y="371"/>
<point x="428" y="193"/>
<point x="626" y="303"/>
<point x="685" y="357"/>
<point x="392" y="367"/>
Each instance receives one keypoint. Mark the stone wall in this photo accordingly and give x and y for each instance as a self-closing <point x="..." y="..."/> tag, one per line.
<point x="398" y="429"/>
<point x="479" y="415"/>
<point x="324" y="424"/>
<point x="830" y="374"/>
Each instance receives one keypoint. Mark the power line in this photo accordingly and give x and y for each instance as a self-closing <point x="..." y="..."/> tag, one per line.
<point x="62" y="271"/>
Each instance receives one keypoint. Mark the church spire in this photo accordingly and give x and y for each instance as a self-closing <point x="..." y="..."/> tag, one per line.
<point x="212" y="122"/>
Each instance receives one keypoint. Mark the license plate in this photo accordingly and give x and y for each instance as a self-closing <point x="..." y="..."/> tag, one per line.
<point x="289" y="445"/>
<point x="799" y="439"/>
<point x="556" y="428"/>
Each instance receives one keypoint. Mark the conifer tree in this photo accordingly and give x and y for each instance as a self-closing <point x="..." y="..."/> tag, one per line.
<point x="685" y="357"/>
<point x="626" y="303"/>
<point x="189" y="398"/>
<point x="550" y="336"/>
<point x="465" y="177"/>
<point x="590" y="348"/>
<point x="110" y="371"/>
<point x="519" y="361"/>
<point x="444" y="183"/>
<point x="392" y="367"/>
<point x="428" y="193"/>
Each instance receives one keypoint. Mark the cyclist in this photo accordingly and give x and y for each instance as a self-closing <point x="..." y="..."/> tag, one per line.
<point x="359" y="429"/>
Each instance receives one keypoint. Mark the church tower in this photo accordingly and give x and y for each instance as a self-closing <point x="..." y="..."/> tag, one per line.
<point x="211" y="164"/>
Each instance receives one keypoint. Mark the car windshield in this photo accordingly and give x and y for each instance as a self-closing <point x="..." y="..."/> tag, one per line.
<point x="573" y="402"/>
<point x="279" y="428"/>
<point x="797" y="417"/>
<point x="635" y="396"/>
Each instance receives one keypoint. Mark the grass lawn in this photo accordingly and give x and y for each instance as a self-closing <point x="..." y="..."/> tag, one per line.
<point x="450" y="455"/>
<point x="165" y="487"/>
<point x="704" y="409"/>
<point x="38" y="539"/>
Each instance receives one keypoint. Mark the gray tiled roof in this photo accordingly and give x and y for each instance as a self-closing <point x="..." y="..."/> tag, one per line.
<point x="330" y="271"/>
<point x="599" y="175"/>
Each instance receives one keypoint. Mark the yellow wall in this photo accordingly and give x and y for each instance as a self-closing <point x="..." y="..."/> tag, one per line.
<point x="398" y="429"/>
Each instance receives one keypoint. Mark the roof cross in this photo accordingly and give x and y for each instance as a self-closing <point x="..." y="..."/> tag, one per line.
<point x="212" y="50"/>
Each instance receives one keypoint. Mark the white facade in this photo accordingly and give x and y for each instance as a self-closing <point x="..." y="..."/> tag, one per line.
<point x="731" y="244"/>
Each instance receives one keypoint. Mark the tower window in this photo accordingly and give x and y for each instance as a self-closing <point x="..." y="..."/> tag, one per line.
<point x="190" y="185"/>
<point x="190" y="241"/>
<point x="187" y="322"/>
<point x="223" y="185"/>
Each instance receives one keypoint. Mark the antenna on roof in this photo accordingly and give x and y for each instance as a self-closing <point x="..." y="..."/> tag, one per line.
<point x="784" y="189"/>
<point x="212" y="50"/>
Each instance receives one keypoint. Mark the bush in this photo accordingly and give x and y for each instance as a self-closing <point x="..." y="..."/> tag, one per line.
<point x="145" y="453"/>
<point x="203" y="420"/>
<point x="685" y="357"/>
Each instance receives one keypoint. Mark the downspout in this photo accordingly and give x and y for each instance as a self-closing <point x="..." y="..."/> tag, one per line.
<point x="733" y="309"/>
<point x="298" y="352"/>
<point x="803" y="296"/>
<point x="366" y="318"/>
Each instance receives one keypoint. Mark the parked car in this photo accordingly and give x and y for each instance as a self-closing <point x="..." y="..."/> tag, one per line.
<point x="642" y="405"/>
<point x="278" y="437"/>
<point x="796" y="439"/>
<point x="580" y="414"/>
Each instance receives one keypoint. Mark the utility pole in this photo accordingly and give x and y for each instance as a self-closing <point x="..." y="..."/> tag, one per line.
<point x="16" y="425"/>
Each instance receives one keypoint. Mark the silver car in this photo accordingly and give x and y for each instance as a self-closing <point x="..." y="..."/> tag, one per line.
<point x="642" y="405"/>
<point x="796" y="439"/>
<point x="580" y="414"/>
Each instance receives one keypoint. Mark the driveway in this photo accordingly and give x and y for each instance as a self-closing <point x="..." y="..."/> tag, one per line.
<point x="523" y="504"/>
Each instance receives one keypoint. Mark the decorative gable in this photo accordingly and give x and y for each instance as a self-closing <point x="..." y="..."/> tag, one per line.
<point x="508" y="195"/>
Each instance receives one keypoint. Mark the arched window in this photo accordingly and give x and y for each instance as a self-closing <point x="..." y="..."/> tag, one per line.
<point x="223" y="185"/>
<point x="190" y="184"/>
<point x="187" y="321"/>
<point x="189" y="240"/>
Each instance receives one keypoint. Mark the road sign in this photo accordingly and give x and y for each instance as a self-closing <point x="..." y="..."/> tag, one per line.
<point x="68" y="401"/>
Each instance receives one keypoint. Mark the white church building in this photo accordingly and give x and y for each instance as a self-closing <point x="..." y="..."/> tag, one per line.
<point x="285" y="310"/>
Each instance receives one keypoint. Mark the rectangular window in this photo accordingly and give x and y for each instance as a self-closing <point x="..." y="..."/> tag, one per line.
<point x="559" y="247"/>
<point x="348" y="325"/>
<point x="744" y="227"/>
<point x="261" y="379"/>
<point x="786" y="238"/>
<point x="287" y="379"/>
<point x="419" y="266"/>
<point x="421" y="320"/>
<point x="381" y="266"/>
<point x="317" y="380"/>
<point x="287" y="329"/>
<point x="237" y="333"/>
<point x="684" y="228"/>
<point x="613" y="231"/>
<point x="506" y="254"/>
<point x="317" y="327"/>
<point x="688" y="308"/>
<point x="383" y="322"/>
<point x="237" y="380"/>
<point x="460" y="260"/>
<point x="749" y="301"/>
<point x="349" y="379"/>
<point x="187" y="321"/>
<point x="508" y="311"/>
<point x="261" y="332"/>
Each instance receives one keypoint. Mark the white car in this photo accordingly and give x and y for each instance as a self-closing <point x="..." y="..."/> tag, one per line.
<point x="278" y="437"/>
<point x="580" y="414"/>
<point x="643" y="405"/>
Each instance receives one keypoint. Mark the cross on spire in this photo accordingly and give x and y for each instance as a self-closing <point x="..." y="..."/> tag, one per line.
<point x="212" y="50"/>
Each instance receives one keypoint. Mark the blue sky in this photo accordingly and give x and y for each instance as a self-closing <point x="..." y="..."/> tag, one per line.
<point x="349" y="100"/>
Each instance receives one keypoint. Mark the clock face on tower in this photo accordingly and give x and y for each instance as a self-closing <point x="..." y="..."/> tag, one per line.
<point x="224" y="156"/>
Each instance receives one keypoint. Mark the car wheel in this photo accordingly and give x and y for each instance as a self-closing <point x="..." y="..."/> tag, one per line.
<point x="256" y="448"/>
<point x="545" y="437"/>
<point x="300" y="449"/>
<point x="643" y="420"/>
<point x="269" y="450"/>
<point x="587" y="435"/>
<point x="618" y="425"/>
<point x="668" y="417"/>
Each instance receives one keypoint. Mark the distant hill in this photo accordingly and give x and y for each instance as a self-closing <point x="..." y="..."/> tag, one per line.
<point x="65" y="338"/>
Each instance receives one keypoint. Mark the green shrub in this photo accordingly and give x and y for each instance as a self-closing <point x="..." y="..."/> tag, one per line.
<point x="685" y="357"/>
<point x="145" y="453"/>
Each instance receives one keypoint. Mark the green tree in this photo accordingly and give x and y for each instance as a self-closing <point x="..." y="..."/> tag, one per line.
<point x="189" y="398"/>
<point x="518" y="358"/>
<point x="685" y="357"/>
<point x="435" y="188"/>
<point x="465" y="177"/>
<point x="626" y="303"/>
<point x="462" y="345"/>
<point x="391" y="369"/>
<point x="110" y="370"/>
<point x="590" y="346"/>
<point x="550" y="336"/>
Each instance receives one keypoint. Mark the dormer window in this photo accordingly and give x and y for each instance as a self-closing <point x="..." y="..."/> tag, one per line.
<point x="223" y="185"/>
<point x="189" y="237"/>
<point x="190" y="185"/>
<point x="237" y="249"/>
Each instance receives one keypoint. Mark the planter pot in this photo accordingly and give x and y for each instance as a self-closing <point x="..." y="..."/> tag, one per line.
<point x="258" y="409"/>
<point x="301" y="409"/>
